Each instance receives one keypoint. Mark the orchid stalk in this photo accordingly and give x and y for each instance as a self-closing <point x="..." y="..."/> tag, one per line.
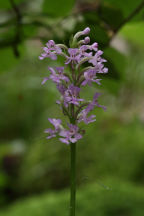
<point x="69" y="80"/>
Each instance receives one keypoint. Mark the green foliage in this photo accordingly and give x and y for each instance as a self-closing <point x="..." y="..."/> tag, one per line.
<point x="125" y="6"/>
<point x="58" y="8"/>
<point x="7" y="59"/>
<point x="134" y="32"/>
<point x="116" y="61"/>
<point x="5" y="4"/>
<point x="118" y="198"/>
<point x="108" y="149"/>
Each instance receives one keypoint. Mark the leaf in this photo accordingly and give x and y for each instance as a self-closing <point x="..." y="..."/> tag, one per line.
<point x="126" y="6"/>
<point x="5" y="4"/>
<point x="58" y="8"/>
<point x="8" y="59"/>
<point x="111" y="15"/>
<point x="29" y="31"/>
<point x="112" y="86"/>
<point x="116" y="62"/>
<point x="134" y="32"/>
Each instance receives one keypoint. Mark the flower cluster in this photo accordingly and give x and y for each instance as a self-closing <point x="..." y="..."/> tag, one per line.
<point x="69" y="81"/>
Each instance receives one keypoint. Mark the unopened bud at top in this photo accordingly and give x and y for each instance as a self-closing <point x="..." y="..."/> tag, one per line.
<point x="80" y="33"/>
<point x="86" y="31"/>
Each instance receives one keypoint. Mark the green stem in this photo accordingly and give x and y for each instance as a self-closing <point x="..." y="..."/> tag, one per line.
<point x="73" y="178"/>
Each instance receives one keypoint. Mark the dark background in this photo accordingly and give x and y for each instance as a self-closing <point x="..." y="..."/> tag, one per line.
<point x="34" y="172"/>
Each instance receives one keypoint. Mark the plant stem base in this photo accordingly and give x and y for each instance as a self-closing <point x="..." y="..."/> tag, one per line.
<point x="73" y="178"/>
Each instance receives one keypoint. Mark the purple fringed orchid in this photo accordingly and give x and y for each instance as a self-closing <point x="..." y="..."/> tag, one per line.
<point x="56" y="75"/>
<point x="73" y="56"/>
<point x="70" y="78"/>
<point x="52" y="132"/>
<point x="71" y="96"/>
<point x="50" y="51"/>
<point x="90" y="76"/>
<point x="70" y="136"/>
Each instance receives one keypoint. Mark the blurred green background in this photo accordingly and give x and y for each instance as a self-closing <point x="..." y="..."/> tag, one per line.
<point x="34" y="172"/>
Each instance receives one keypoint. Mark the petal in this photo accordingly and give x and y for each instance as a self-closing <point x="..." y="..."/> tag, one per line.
<point x="64" y="140"/>
<point x="44" y="80"/>
<point x="41" y="57"/>
<point x="63" y="133"/>
<point x="84" y="82"/>
<point x="51" y="136"/>
<point x="73" y="140"/>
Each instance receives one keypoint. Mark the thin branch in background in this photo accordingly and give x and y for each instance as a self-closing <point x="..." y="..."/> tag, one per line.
<point x="90" y="7"/>
<point x="18" y="28"/>
<point x="127" y="19"/>
<point x="134" y="13"/>
<point x="78" y="10"/>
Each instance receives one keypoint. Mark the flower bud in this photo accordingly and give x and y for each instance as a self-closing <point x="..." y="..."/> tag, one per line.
<point x="86" y="31"/>
<point x="86" y="40"/>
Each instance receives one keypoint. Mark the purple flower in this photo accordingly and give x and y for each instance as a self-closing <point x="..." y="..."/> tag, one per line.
<point x="95" y="101"/>
<point x="55" y="122"/>
<point x="69" y="83"/>
<point x="57" y="126"/>
<point x="83" y="116"/>
<point x="71" y="135"/>
<point x="86" y="119"/>
<point x="50" y="51"/>
<point x="94" y="46"/>
<point x="74" y="56"/>
<point x="51" y="132"/>
<point x="97" y="58"/>
<point x="61" y="88"/>
<point x="56" y="76"/>
<point x="83" y="53"/>
<point x="100" y="68"/>
<point x="71" y="96"/>
<point x="44" y="80"/>
<point x="90" y="76"/>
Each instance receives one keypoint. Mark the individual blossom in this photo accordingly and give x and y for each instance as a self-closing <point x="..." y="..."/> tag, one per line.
<point x="95" y="101"/>
<point x="94" y="47"/>
<point x="57" y="126"/>
<point x="70" y="136"/>
<point x="99" y="68"/>
<point x="83" y="52"/>
<point x="71" y="96"/>
<point x="56" y="75"/>
<point x="50" y="51"/>
<point x="97" y="58"/>
<point x="73" y="57"/>
<point x="83" y="116"/>
<point x="61" y="88"/>
<point x="90" y="76"/>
